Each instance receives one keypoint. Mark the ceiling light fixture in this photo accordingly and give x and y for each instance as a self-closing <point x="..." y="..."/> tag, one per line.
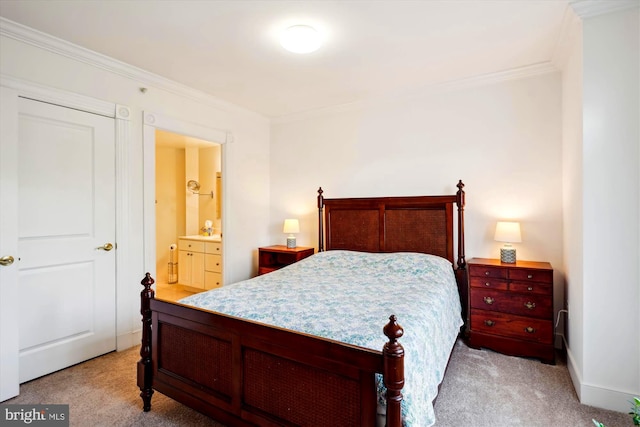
<point x="301" y="39"/>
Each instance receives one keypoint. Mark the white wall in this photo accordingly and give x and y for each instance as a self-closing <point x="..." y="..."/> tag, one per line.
<point x="601" y="98"/>
<point x="573" y="198"/>
<point x="611" y="139"/>
<point x="54" y="64"/>
<point x="503" y="140"/>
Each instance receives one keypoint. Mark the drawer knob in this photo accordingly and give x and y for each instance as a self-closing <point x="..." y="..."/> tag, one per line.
<point x="530" y="305"/>
<point x="530" y="330"/>
<point x="487" y="284"/>
<point x="530" y="288"/>
<point x="489" y="322"/>
<point x="488" y="300"/>
<point x="529" y="276"/>
<point x="486" y="273"/>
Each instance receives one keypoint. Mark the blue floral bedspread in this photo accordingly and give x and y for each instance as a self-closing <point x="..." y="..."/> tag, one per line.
<point x="348" y="296"/>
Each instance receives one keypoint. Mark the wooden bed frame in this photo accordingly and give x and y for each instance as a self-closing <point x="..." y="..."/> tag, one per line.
<point x="243" y="373"/>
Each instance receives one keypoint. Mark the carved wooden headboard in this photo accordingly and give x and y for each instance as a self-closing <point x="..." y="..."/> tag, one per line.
<point x="422" y="224"/>
<point x="393" y="224"/>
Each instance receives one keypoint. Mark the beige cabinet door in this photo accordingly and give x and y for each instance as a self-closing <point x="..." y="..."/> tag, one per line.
<point x="191" y="269"/>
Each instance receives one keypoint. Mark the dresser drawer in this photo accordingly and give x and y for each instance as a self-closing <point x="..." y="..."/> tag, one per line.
<point x="213" y="248"/>
<point x="488" y="271"/>
<point x="531" y="275"/>
<point x="488" y="283"/>
<point x="212" y="280"/>
<point x="535" y="288"/>
<point x="190" y="245"/>
<point x="213" y="263"/>
<point x="534" y="305"/>
<point x="520" y="327"/>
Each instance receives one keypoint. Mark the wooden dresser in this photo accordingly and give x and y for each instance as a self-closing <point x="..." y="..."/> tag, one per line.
<point x="511" y="307"/>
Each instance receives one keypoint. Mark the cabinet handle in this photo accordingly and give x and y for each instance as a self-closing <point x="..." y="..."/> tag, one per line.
<point x="530" y="305"/>
<point x="530" y="330"/>
<point x="530" y="288"/>
<point x="487" y="284"/>
<point x="488" y="300"/>
<point x="529" y="276"/>
<point x="489" y="322"/>
<point x="486" y="273"/>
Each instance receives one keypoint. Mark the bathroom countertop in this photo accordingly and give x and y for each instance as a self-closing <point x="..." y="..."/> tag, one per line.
<point x="214" y="238"/>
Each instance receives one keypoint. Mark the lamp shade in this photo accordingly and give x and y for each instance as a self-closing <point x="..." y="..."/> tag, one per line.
<point x="508" y="232"/>
<point x="291" y="226"/>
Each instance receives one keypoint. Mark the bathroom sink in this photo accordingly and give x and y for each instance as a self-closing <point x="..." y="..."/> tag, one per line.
<point x="213" y="238"/>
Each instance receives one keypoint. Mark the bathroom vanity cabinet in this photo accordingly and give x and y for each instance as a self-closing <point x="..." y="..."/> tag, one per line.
<point x="200" y="262"/>
<point x="212" y="265"/>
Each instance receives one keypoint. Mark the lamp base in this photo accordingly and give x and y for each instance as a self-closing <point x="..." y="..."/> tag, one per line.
<point x="291" y="242"/>
<point x="508" y="255"/>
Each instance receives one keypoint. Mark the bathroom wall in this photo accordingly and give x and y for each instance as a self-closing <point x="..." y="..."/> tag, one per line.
<point x="209" y="164"/>
<point x="170" y="205"/>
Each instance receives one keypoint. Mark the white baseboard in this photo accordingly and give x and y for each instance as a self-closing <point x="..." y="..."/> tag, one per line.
<point x="606" y="398"/>
<point x="128" y="340"/>
<point x="595" y="395"/>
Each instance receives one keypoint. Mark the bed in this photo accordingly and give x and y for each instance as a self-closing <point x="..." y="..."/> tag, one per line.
<point x="242" y="370"/>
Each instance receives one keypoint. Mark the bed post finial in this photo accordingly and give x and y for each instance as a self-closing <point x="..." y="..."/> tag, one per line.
<point x="393" y="371"/>
<point x="145" y="367"/>
<point x="320" y="220"/>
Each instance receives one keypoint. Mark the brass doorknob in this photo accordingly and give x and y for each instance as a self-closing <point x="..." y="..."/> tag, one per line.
<point x="106" y="247"/>
<point x="6" y="260"/>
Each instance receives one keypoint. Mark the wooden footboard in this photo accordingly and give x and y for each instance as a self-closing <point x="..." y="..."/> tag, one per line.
<point x="243" y="373"/>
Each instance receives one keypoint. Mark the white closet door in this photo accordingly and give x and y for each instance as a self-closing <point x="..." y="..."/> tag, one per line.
<point x="9" y="384"/>
<point x="65" y="212"/>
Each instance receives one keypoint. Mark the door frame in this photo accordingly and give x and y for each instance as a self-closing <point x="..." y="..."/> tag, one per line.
<point x="14" y="88"/>
<point x="152" y="122"/>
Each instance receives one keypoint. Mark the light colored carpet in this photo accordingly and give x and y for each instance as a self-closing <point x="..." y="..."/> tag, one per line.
<point x="481" y="388"/>
<point x="486" y="389"/>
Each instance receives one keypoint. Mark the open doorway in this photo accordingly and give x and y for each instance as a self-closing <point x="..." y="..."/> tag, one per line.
<point x="188" y="215"/>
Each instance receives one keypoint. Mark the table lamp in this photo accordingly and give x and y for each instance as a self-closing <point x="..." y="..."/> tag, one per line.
<point x="508" y="232"/>
<point x="291" y="227"/>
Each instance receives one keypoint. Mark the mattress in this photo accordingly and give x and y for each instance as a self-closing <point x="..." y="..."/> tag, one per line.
<point x="348" y="296"/>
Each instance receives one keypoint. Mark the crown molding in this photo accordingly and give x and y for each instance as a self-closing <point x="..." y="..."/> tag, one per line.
<point x="570" y="27"/>
<point x="576" y="11"/>
<point x="590" y="8"/>
<point x="62" y="47"/>
<point x="449" y="86"/>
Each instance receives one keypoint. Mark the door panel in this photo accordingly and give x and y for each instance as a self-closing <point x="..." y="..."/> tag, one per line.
<point x="73" y="316"/>
<point x="55" y="174"/>
<point x="66" y="209"/>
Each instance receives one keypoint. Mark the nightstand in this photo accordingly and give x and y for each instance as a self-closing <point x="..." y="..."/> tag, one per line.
<point x="511" y="307"/>
<point x="272" y="258"/>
